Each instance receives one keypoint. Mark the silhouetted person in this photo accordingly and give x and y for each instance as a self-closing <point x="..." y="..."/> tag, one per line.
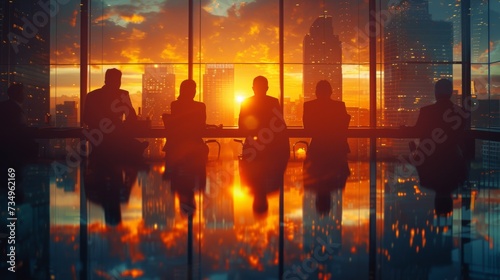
<point x="16" y="143"/>
<point x="109" y="110"/>
<point x="326" y="121"/>
<point x="185" y="151"/>
<point x="266" y="149"/>
<point x="185" y="127"/>
<point x="108" y="184"/>
<point x="439" y="157"/>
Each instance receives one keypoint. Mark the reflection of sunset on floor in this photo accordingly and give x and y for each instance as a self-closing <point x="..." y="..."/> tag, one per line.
<point x="249" y="241"/>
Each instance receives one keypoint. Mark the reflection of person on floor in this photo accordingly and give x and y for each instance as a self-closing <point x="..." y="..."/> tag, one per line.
<point x="108" y="184"/>
<point x="109" y="110"/>
<point x="323" y="181"/>
<point x="266" y="149"/>
<point x="261" y="192"/>
<point x="186" y="152"/>
<point x="439" y="156"/>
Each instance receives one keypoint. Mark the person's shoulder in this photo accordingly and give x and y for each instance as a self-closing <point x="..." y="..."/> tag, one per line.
<point x="428" y="108"/>
<point x="271" y="101"/>
<point x="274" y="99"/>
<point x="122" y="91"/>
<point x="95" y="94"/>
<point x="200" y="104"/>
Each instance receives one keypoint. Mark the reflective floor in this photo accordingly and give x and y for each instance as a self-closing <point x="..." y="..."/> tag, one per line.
<point x="125" y="222"/>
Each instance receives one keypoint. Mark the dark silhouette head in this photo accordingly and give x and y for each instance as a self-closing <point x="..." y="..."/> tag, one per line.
<point x="113" y="78"/>
<point x="16" y="92"/>
<point x="443" y="89"/>
<point x="323" y="203"/>
<point x="260" y="85"/>
<point x="260" y="205"/>
<point x="187" y="90"/>
<point x="323" y="89"/>
<point x="443" y="204"/>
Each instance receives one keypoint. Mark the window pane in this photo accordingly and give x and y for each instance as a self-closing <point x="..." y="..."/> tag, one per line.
<point x="234" y="43"/>
<point x="325" y="41"/>
<point x="131" y="32"/>
<point x="494" y="17"/>
<point x="25" y="56"/>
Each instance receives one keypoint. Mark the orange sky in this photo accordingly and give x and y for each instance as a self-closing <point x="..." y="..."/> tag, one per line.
<point x="127" y="35"/>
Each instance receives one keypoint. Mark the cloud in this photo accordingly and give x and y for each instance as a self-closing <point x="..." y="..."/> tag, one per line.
<point x="155" y="29"/>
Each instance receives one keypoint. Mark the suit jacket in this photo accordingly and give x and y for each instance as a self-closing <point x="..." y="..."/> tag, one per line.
<point x="442" y="116"/>
<point x="262" y="122"/>
<point x="327" y="121"/>
<point x="188" y="119"/>
<point x="440" y="152"/>
<point x="185" y="127"/>
<point x="113" y="104"/>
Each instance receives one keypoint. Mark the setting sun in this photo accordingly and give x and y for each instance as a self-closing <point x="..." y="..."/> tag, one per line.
<point x="240" y="96"/>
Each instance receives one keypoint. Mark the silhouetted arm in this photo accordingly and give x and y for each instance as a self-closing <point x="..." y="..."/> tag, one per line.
<point x="345" y="117"/>
<point x="306" y="117"/>
<point x="241" y="117"/>
<point x="131" y="115"/>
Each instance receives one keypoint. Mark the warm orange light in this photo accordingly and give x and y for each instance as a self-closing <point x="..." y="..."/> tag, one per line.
<point x="240" y="96"/>
<point x="134" y="273"/>
<point x="239" y="192"/>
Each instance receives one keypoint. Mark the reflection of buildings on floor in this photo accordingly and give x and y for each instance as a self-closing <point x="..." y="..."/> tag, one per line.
<point x="32" y="210"/>
<point x="154" y="151"/>
<point x="218" y="204"/>
<point x="323" y="228"/>
<point x="415" y="238"/>
<point x="412" y="241"/>
<point x="158" y="201"/>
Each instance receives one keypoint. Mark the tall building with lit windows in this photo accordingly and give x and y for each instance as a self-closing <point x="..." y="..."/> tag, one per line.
<point x="322" y="53"/>
<point x="67" y="114"/>
<point x="218" y="94"/>
<point x="413" y="42"/>
<point x="479" y="31"/>
<point x="158" y="91"/>
<point x="25" y="56"/>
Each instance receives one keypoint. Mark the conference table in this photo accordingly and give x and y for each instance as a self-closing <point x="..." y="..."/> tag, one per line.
<point x="234" y="132"/>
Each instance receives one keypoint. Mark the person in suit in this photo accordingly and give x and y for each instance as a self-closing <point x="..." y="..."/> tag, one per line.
<point x="439" y="157"/>
<point x="266" y="149"/>
<point x="326" y="121"/>
<point x="185" y="151"/>
<point x="16" y="144"/>
<point x="111" y="107"/>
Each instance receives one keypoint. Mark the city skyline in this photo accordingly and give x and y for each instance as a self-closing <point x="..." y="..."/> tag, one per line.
<point x="244" y="50"/>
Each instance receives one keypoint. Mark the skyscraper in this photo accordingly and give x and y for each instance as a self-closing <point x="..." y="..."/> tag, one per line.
<point x="416" y="48"/>
<point x="158" y="91"/>
<point x="218" y="94"/>
<point x="322" y="58"/>
<point x="25" y="55"/>
<point x="67" y="114"/>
